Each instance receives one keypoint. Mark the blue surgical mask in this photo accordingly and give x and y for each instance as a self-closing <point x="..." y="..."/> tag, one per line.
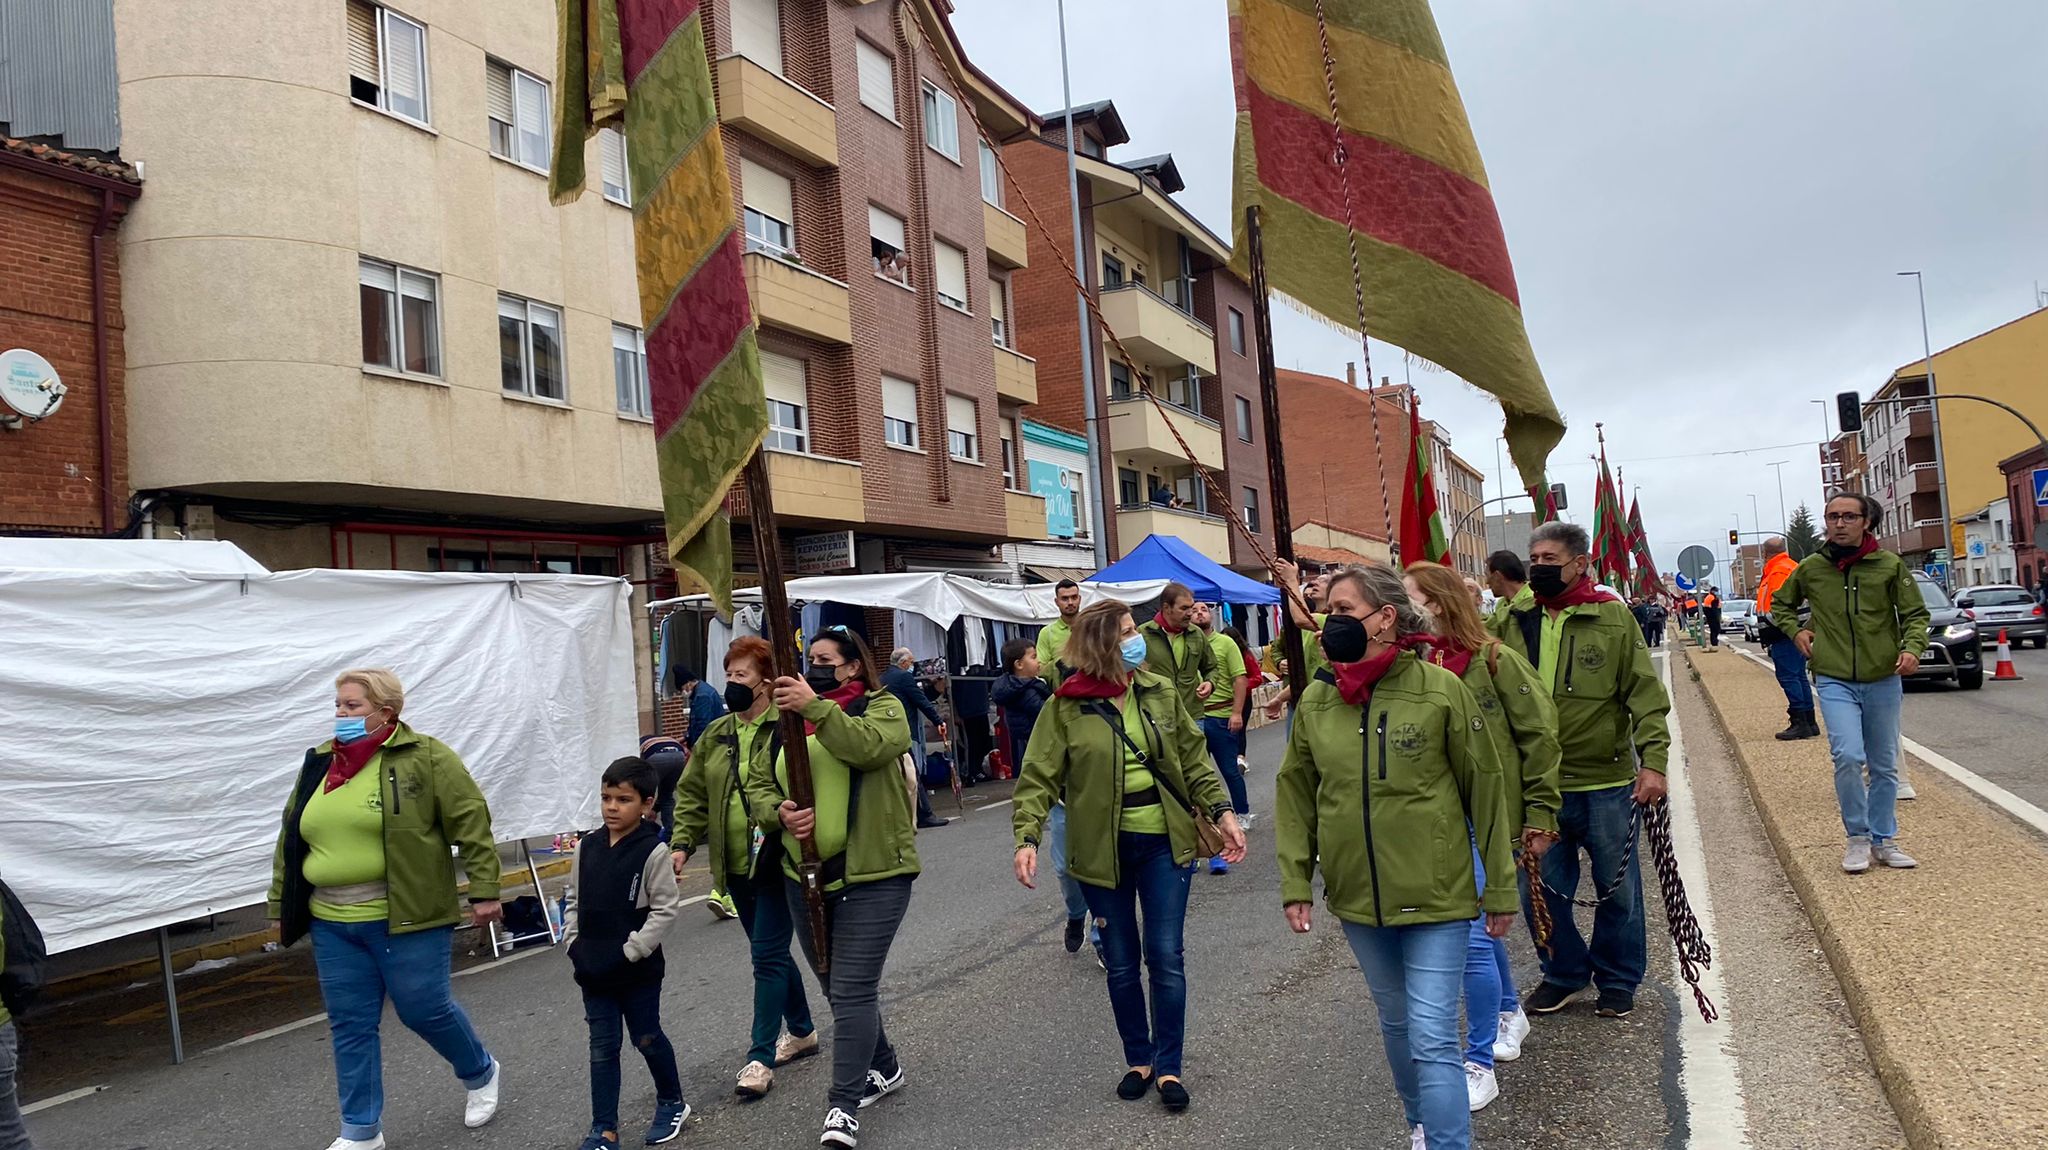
<point x="350" y="729"/>
<point x="1133" y="649"/>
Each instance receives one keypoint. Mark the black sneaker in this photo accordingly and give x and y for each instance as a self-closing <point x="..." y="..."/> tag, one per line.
<point x="1615" y="1004"/>
<point x="1077" y="933"/>
<point x="1548" y="998"/>
<point x="841" y="1129"/>
<point x="880" y="1086"/>
<point x="1173" y="1095"/>
<point x="1134" y="1086"/>
<point x="928" y="824"/>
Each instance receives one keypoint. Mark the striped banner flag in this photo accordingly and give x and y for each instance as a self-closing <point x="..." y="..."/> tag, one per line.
<point x="1422" y="525"/>
<point x="1371" y="139"/>
<point x="640" y="66"/>
<point x="1648" y="583"/>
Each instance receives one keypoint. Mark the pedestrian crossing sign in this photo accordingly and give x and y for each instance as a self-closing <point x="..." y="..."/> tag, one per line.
<point x="2041" y="487"/>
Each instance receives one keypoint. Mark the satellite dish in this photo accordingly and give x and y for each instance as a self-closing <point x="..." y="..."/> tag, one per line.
<point x="1696" y="562"/>
<point x="29" y="385"/>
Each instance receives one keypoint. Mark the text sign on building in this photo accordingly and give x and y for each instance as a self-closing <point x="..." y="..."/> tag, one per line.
<point x="818" y="554"/>
<point x="1050" y="481"/>
<point x="2041" y="487"/>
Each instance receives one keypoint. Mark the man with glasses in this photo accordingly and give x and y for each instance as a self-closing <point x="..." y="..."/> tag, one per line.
<point x="1867" y="628"/>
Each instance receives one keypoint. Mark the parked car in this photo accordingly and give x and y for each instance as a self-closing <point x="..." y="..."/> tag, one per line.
<point x="1737" y="616"/>
<point x="2006" y="607"/>
<point x="1954" y="650"/>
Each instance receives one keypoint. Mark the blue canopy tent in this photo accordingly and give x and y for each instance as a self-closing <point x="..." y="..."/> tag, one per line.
<point x="1167" y="557"/>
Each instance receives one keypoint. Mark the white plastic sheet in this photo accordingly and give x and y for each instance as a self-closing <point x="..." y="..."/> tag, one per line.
<point x="189" y="555"/>
<point x="151" y="723"/>
<point x="940" y="597"/>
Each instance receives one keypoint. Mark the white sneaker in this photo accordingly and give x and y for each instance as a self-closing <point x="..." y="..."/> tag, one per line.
<point x="1906" y="790"/>
<point x="1514" y="1027"/>
<point x="1893" y="855"/>
<point x="482" y="1105"/>
<point x="841" y="1129"/>
<point x="1480" y="1086"/>
<point x="1856" y="859"/>
<point x="1415" y="1141"/>
<point x="376" y="1143"/>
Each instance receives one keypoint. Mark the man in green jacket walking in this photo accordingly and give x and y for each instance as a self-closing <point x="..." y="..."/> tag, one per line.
<point x="1611" y="709"/>
<point x="1867" y="629"/>
<point x="1066" y="595"/>
<point x="1177" y="649"/>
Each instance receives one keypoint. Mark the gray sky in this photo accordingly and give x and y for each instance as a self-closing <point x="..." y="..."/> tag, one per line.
<point x="1706" y="206"/>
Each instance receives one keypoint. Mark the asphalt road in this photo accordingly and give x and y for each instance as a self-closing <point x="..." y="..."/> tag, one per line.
<point x="2000" y="730"/>
<point x="1008" y="1041"/>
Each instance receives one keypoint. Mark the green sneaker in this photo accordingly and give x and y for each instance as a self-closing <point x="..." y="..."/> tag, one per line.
<point x="721" y="905"/>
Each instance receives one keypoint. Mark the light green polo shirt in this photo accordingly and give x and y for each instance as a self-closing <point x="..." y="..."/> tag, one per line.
<point x="344" y="833"/>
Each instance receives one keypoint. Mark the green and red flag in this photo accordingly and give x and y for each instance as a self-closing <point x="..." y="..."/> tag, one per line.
<point x="1422" y="526"/>
<point x="1353" y="144"/>
<point x="1545" y="501"/>
<point x="640" y="66"/>
<point x="1648" y="584"/>
<point x="1610" y="532"/>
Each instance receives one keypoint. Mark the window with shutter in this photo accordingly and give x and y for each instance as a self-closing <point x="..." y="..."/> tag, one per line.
<point x="877" y="79"/>
<point x="404" y="48"/>
<point x="991" y="175"/>
<point x="379" y="290"/>
<point x="530" y="358"/>
<point x="885" y="240"/>
<point x="401" y="318"/>
<point x="770" y="210"/>
<point x="784" y="379"/>
<point x="1244" y="419"/>
<point x="999" y="311"/>
<point x="366" y="77"/>
<point x="498" y="107"/>
<point x="611" y="148"/>
<point x="950" y="264"/>
<point x="530" y="97"/>
<point x="899" y="411"/>
<point x="757" y="32"/>
<point x="963" y="430"/>
<point x="941" y="122"/>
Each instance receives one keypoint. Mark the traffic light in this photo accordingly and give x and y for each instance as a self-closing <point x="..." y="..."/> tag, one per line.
<point x="1734" y="537"/>
<point x="1557" y="498"/>
<point x="1849" y="410"/>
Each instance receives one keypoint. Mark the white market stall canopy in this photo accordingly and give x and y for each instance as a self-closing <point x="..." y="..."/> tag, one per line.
<point x="152" y="722"/>
<point x="189" y="555"/>
<point x="940" y="597"/>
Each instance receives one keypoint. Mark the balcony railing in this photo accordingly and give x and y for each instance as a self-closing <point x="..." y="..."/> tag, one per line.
<point x="1155" y="330"/>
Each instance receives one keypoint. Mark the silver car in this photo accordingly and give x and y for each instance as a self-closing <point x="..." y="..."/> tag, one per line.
<point x="2005" y="607"/>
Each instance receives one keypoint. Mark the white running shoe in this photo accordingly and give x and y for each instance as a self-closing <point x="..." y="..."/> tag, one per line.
<point x="482" y="1105"/>
<point x="1514" y="1027"/>
<point x="1906" y="791"/>
<point x="1480" y="1086"/>
<point x="373" y="1143"/>
<point x="1415" y="1141"/>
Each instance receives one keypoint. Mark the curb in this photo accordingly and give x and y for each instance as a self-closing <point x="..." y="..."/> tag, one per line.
<point x="151" y="970"/>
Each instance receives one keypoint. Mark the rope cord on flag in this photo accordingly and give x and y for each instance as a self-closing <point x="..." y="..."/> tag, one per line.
<point x="1342" y="156"/>
<point x="1290" y="593"/>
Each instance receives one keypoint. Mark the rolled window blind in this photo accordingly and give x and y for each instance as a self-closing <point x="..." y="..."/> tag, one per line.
<point x="362" y="42"/>
<point x="498" y="91"/>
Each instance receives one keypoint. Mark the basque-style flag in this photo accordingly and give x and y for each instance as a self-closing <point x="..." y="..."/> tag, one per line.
<point x="1610" y="534"/>
<point x="640" y="65"/>
<point x="1395" y="165"/>
<point x="1648" y="584"/>
<point x="1546" y="503"/>
<point x="1422" y="527"/>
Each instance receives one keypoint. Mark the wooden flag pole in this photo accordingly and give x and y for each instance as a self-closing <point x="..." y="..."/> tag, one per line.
<point x="796" y="751"/>
<point x="1276" y="468"/>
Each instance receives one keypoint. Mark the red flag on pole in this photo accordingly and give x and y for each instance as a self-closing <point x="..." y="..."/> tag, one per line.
<point x="1422" y="528"/>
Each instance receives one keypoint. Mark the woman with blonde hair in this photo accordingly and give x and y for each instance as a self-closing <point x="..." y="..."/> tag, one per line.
<point x="1523" y="723"/>
<point x="363" y="865"/>
<point x="1135" y="771"/>
<point x="1388" y="759"/>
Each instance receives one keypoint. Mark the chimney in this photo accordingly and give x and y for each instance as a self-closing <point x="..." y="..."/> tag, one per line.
<point x="1351" y="375"/>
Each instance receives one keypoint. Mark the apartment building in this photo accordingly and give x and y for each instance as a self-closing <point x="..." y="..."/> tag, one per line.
<point x="1899" y="470"/>
<point x="1841" y="463"/>
<point x="2026" y="480"/>
<point x="1460" y="489"/>
<point x="1158" y="279"/>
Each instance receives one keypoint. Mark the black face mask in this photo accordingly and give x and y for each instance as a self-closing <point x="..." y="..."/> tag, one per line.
<point x="1344" y="639"/>
<point x="1547" y="579"/>
<point x="738" y="697"/>
<point x="822" y="679"/>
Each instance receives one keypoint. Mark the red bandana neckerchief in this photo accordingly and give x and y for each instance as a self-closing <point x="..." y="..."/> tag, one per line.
<point x="1082" y="685"/>
<point x="839" y="696"/>
<point x="1447" y="653"/>
<point x="1577" y="595"/>
<point x="351" y="758"/>
<point x="1355" y="681"/>
<point x="1165" y="626"/>
<point x="1854" y="557"/>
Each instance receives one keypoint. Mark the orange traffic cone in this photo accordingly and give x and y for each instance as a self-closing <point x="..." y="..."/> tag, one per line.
<point x="2005" y="672"/>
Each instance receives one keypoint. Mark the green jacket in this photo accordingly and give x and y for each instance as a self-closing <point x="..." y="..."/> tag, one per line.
<point x="1862" y="618"/>
<point x="1051" y="640"/>
<point x="1376" y="797"/>
<point x="1076" y="756"/>
<point x="864" y="750"/>
<point x="1611" y="706"/>
<point x="430" y="803"/>
<point x="1523" y="722"/>
<point x="1499" y="622"/>
<point x="708" y="784"/>
<point x="1187" y="673"/>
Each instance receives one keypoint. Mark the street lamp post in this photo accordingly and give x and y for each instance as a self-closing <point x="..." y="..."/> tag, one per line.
<point x="1934" y="414"/>
<point x="1785" y="524"/>
<point x="1091" y="417"/>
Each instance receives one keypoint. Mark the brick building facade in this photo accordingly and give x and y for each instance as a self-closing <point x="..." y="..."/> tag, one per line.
<point x="59" y="212"/>
<point x="1334" y="473"/>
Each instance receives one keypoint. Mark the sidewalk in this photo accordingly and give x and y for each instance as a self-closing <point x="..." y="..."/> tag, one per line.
<point x="1945" y="967"/>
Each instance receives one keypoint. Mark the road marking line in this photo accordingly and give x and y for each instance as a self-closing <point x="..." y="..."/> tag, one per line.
<point x="273" y="1032"/>
<point x="991" y="806"/>
<point x="1716" y="1114"/>
<point x="61" y="1099"/>
<point x="1991" y="792"/>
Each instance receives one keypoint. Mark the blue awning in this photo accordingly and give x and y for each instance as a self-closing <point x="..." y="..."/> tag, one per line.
<point x="1167" y="557"/>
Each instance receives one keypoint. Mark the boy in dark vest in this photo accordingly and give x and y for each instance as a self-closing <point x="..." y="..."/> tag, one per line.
<point x="622" y="897"/>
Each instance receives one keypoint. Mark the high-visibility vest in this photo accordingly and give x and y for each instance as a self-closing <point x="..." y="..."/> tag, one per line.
<point x="1713" y="601"/>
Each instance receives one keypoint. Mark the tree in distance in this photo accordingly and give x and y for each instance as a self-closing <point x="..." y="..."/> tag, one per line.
<point x="1801" y="539"/>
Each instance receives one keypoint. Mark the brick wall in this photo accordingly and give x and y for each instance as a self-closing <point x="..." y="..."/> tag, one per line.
<point x="1217" y="294"/>
<point x="50" y="476"/>
<point x="1333" y="473"/>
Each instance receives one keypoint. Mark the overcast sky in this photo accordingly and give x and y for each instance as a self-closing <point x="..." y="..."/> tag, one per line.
<point x="1706" y="206"/>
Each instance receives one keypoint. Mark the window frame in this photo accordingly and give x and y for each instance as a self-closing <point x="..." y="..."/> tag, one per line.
<point x="999" y="312"/>
<point x="801" y="432"/>
<point x="912" y="439"/>
<point x="971" y="437"/>
<point x="379" y="13"/>
<point x="640" y="404"/>
<point x="964" y="303"/>
<point x="861" y="51"/>
<point x="902" y="256"/>
<point x="991" y="174"/>
<point x="749" y="213"/>
<point x="1243" y="407"/>
<point x="529" y="391"/>
<point x="515" y="75"/>
<point x="1141" y="488"/>
<point x="625" y="197"/>
<point x="1248" y="509"/>
<point x="394" y="316"/>
<point x="1111" y="263"/>
<point x="1236" y="324"/>
<point x="1130" y="386"/>
<point x="933" y="106"/>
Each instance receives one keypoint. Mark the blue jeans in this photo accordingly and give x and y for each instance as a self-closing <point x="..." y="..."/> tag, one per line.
<point x="1151" y="881"/>
<point x="1791" y="668"/>
<point x="1056" y="854"/>
<point x="359" y="964"/>
<point x="1489" y="981"/>
<point x="778" y="989"/>
<point x="1414" y="972"/>
<point x="640" y="1008"/>
<point x="1598" y="822"/>
<point x="13" y="1134"/>
<point x="1223" y="747"/>
<point x="1863" y="730"/>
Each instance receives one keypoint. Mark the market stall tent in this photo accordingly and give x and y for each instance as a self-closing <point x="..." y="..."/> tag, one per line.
<point x="1166" y="557"/>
